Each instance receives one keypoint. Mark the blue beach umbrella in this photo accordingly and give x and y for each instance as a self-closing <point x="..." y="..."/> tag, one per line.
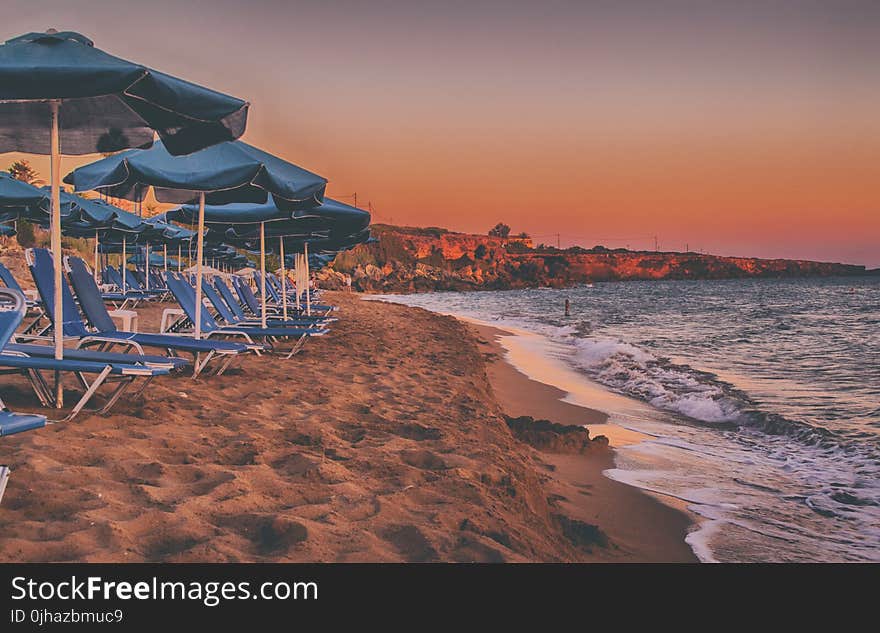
<point x="248" y="224"/>
<point x="90" y="102"/>
<point x="17" y="196"/>
<point x="225" y="173"/>
<point x="329" y="215"/>
<point x="156" y="260"/>
<point x="106" y="103"/>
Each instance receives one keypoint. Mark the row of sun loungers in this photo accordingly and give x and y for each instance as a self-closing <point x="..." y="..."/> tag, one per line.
<point x="97" y="354"/>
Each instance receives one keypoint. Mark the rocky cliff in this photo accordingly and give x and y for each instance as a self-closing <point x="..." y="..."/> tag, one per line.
<point x="421" y="259"/>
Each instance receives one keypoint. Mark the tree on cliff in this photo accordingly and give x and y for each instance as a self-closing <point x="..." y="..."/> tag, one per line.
<point x="500" y="230"/>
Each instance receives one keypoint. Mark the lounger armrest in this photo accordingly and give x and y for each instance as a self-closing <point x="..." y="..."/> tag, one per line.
<point x="12" y="352"/>
<point x="88" y="340"/>
<point x="240" y="333"/>
<point x="134" y="370"/>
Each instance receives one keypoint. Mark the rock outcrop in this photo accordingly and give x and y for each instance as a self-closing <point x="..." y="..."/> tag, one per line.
<point x="554" y="438"/>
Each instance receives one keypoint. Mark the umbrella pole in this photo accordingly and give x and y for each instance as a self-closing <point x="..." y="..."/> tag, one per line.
<point x="297" y="276"/>
<point x="165" y="256"/>
<point x="55" y="169"/>
<point x="283" y="279"/>
<point x="307" y="275"/>
<point x="147" y="267"/>
<point x="200" y="253"/>
<point x="263" y="272"/>
<point x="96" y="257"/>
<point x="179" y="258"/>
<point x="122" y="265"/>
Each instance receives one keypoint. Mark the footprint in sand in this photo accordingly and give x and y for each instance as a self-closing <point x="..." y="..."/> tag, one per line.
<point x="425" y="460"/>
<point x="268" y="535"/>
<point x="410" y="543"/>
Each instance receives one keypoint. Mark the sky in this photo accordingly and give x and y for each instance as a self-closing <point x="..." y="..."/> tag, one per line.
<point x="738" y="128"/>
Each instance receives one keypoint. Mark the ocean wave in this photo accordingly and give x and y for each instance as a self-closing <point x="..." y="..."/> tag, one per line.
<point x="698" y="395"/>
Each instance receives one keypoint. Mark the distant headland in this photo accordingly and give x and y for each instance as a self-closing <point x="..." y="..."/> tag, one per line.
<point x="408" y="259"/>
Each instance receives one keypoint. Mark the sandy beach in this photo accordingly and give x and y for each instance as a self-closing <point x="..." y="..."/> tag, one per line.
<point x="383" y="441"/>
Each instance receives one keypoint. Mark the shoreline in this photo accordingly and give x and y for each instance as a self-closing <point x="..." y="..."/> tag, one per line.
<point x="649" y="529"/>
<point x="384" y="441"/>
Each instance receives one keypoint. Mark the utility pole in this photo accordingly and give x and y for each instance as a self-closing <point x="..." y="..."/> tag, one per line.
<point x="656" y="245"/>
<point x="557" y="241"/>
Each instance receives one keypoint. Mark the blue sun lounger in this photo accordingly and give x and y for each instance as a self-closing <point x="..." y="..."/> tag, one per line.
<point x="19" y="362"/>
<point x="273" y="291"/>
<point x="43" y="272"/>
<point x="226" y="314"/>
<point x="230" y="310"/>
<point x="186" y="297"/>
<point x="249" y="300"/>
<point x="136" y="282"/>
<point x="35" y="308"/>
<point x="203" y="351"/>
<point x="129" y="288"/>
<point x="273" y="280"/>
<point x="11" y="423"/>
<point x="10" y="281"/>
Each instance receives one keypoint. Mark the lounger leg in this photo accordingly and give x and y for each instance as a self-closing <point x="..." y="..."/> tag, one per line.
<point x="91" y="392"/>
<point x="225" y="365"/>
<point x="144" y="386"/>
<point x="115" y="396"/>
<point x="41" y="387"/>
<point x="296" y="348"/>
<point x="198" y="366"/>
<point x="82" y="380"/>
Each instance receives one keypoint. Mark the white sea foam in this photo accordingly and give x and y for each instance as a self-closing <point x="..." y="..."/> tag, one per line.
<point x="664" y="385"/>
<point x="767" y="487"/>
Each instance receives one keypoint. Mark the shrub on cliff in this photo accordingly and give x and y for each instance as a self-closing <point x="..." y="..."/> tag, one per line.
<point x="517" y="247"/>
<point x="499" y="230"/>
<point x="348" y="261"/>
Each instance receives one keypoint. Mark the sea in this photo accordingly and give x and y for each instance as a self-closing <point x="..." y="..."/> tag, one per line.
<point x="757" y="401"/>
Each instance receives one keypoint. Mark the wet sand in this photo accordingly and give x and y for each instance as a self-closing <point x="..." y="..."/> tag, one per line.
<point x="383" y="441"/>
<point x="643" y="528"/>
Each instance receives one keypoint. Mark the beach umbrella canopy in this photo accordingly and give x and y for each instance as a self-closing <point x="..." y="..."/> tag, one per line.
<point x="326" y="244"/>
<point x="171" y="234"/>
<point x="331" y="214"/>
<point x="21" y="201"/>
<point x="108" y="103"/>
<point x="226" y="172"/>
<point x="156" y="260"/>
<point x="115" y="248"/>
<point x="60" y="93"/>
<point x="16" y="197"/>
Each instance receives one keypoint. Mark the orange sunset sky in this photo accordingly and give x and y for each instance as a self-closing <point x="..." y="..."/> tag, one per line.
<point x="746" y="128"/>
